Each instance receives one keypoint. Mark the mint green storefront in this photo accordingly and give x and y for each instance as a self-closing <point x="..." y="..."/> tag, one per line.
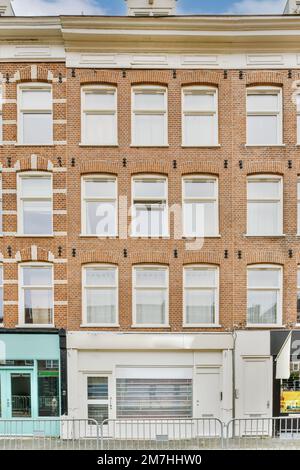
<point x="31" y="382"/>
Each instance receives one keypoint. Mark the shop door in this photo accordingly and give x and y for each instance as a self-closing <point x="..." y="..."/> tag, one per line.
<point x="99" y="401"/>
<point x="208" y="396"/>
<point x="16" y="401"/>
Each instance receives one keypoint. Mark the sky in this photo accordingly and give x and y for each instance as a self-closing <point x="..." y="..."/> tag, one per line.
<point x="117" y="7"/>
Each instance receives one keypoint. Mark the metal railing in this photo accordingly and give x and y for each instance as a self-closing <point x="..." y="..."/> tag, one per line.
<point x="282" y="433"/>
<point x="150" y="434"/>
<point x="164" y="434"/>
<point x="49" y="434"/>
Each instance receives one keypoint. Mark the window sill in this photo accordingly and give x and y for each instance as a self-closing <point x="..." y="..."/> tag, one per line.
<point x="201" y="146"/>
<point x="265" y="145"/>
<point x="35" y="145"/>
<point x="149" y="146"/>
<point x="246" y="235"/>
<point x="21" y="235"/>
<point x="97" y="325"/>
<point x="203" y="326"/>
<point x="104" y="237"/>
<point x="263" y="326"/>
<point x="146" y="237"/>
<point x="81" y="144"/>
<point x="188" y="238"/>
<point x="151" y="326"/>
<point x="35" y="326"/>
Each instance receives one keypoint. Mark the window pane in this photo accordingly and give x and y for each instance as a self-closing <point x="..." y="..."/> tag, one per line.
<point x="298" y="307"/>
<point x="263" y="189"/>
<point x="149" y="130"/>
<point x="1" y="128"/>
<point x="100" y="129"/>
<point x="38" y="306"/>
<point x="36" y="187"/>
<point x="100" y="276"/>
<point x="200" y="188"/>
<point x="98" y="100"/>
<point x="154" y="398"/>
<point x="150" y="277"/>
<point x="150" y="221"/>
<point x="37" y="217"/>
<point x="264" y="218"/>
<point x="264" y="277"/>
<point x="1" y="275"/>
<point x="1" y="305"/>
<point x="151" y="307"/>
<point x="36" y="99"/>
<point x="37" y="276"/>
<point x="101" y="218"/>
<point x="200" y="219"/>
<point x="48" y="388"/>
<point x="97" y="413"/>
<point x="298" y="129"/>
<point x="262" y="307"/>
<point x="263" y="102"/>
<point x="262" y="130"/>
<point x="149" y="188"/>
<point x="37" y="129"/>
<point x="98" y="188"/>
<point x="200" y="277"/>
<point x="97" y="388"/>
<point x="149" y="101"/>
<point x="199" y="101"/>
<point x="200" y="306"/>
<point x="101" y="305"/>
<point x="298" y="278"/>
<point x="199" y="130"/>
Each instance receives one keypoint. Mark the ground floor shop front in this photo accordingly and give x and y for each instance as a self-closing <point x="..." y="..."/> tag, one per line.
<point x="30" y="378"/>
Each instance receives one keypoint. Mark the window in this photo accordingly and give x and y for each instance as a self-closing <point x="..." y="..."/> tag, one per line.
<point x="1" y="207"/>
<point x="1" y="120"/>
<point x="99" y="205"/>
<point x="264" y="295"/>
<point x="48" y="388"/>
<point x="298" y="296"/>
<point x="150" y="208"/>
<point x="1" y="294"/>
<point x="99" y="115"/>
<point x="201" y="295"/>
<point x="290" y="392"/>
<point x="151" y="393"/>
<point x="264" y="116"/>
<point x="100" y="291"/>
<point x="35" y="115"/>
<point x="36" y="294"/>
<point x="200" y="116"/>
<point x="35" y="204"/>
<point x="97" y="399"/>
<point x="264" y="206"/>
<point x="298" y="206"/>
<point x="200" y="206"/>
<point x="149" y="119"/>
<point x="150" y="295"/>
<point x="298" y="119"/>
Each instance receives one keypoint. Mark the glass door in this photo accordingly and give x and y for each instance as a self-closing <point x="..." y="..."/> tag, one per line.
<point x="99" y="400"/>
<point x="20" y="395"/>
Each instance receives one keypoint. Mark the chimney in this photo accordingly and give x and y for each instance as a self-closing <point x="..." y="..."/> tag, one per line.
<point x="151" y="7"/>
<point x="292" y="7"/>
<point x="6" y="8"/>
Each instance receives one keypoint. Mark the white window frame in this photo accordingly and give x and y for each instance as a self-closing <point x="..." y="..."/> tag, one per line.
<point x="263" y="90"/>
<point x="217" y="295"/>
<point x="163" y="112"/>
<point x="261" y="178"/>
<point x="1" y="115"/>
<point x="85" y="286"/>
<point x="84" y="200"/>
<point x="135" y="288"/>
<point x="34" y="264"/>
<point x="1" y="204"/>
<point x="298" y="206"/>
<point x="203" y="90"/>
<point x="298" y="117"/>
<point x="255" y="267"/>
<point x="20" y="199"/>
<point x="298" y="290"/>
<point x="112" y="112"/>
<point x="152" y="199"/>
<point x="204" y="199"/>
<point x="2" y="287"/>
<point x="32" y="86"/>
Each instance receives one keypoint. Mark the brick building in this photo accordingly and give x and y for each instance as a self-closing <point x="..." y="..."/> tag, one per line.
<point x="150" y="213"/>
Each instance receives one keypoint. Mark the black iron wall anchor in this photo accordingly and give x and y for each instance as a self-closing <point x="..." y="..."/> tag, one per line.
<point x="60" y="77"/>
<point x="124" y="162"/>
<point x="125" y="253"/>
<point x="73" y="252"/>
<point x="9" y="251"/>
<point x="291" y="254"/>
<point x="239" y="254"/>
<point x="175" y="253"/>
<point x="174" y="164"/>
<point x="9" y="162"/>
<point x="73" y="73"/>
<point x="226" y="254"/>
<point x="59" y="250"/>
